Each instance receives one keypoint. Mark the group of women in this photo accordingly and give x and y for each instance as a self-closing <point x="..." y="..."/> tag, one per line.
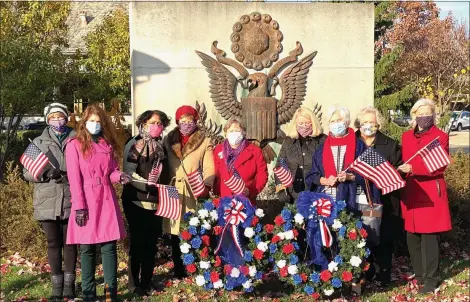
<point x="76" y="204"/>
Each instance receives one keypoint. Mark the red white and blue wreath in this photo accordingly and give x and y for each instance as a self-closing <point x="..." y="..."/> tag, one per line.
<point x="333" y="237"/>
<point x="214" y="243"/>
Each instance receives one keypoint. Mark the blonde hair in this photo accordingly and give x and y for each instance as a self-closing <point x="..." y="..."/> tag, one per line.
<point x="420" y="103"/>
<point x="342" y="111"/>
<point x="291" y="130"/>
<point x="237" y="121"/>
<point x="366" y="110"/>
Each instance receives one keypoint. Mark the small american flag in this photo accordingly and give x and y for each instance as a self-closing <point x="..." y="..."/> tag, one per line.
<point x="434" y="156"/>
<point x="374" y="167"/>
<point x="154" y="174"/>
<point x="168" y="202"/>
<point x="283" y="173"/>
<point x="196" y="182"/>
<point x="235" y="183"/>
<point x="34" y="160"/>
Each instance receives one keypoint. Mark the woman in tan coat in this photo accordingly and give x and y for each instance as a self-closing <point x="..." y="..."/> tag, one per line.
<point x="188" y="149"/>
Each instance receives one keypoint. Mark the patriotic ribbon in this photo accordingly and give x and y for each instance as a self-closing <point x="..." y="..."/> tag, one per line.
<point x="233" y="217"/>
<point x="324" y="210"/>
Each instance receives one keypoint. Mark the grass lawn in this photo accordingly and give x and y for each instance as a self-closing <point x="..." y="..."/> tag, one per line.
<point x="24" y="281"/>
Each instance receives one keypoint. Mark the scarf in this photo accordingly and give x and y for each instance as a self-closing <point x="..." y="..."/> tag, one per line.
<point x="144" y="148"/>
<point x="96" y="137"/>
<point x="349" y="140"/>
<point x="184" y="139"/>
<point x="231" y="154"/>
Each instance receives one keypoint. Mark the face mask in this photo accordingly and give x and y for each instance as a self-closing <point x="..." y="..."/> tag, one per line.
<point x="58" y="125"/>
<point x="155" y="130"/>
<point x="304" y="131"/>
<point x="338" y="128"/>
<point x="187" y="128"/>
<point x="93" y="127"/>
<point x="234" y="138"/>
<point x="425" y="122"/>
<point x="368" y="129"/>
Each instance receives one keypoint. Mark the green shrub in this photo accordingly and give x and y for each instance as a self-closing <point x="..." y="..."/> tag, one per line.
<point x="393" y="130"/>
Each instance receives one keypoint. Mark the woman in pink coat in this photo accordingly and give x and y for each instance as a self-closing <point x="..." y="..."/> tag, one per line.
<point x="95" y="217"/>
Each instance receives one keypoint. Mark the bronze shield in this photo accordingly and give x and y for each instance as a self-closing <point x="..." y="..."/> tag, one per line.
<point x="259" y="114"/>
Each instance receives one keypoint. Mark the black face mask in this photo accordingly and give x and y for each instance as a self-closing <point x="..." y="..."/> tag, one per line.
<point x="425" y="122"/>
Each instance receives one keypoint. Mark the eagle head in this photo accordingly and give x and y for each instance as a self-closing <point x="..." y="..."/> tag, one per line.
<point x="256" y="80"/>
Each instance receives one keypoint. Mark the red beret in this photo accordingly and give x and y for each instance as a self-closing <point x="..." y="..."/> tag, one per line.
<point x="186" y="110"/>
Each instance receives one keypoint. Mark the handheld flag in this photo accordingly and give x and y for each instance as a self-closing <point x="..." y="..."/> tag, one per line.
<point x="196" y="182"/>
<point x="434" y="156"/>
<point x="34" y="160"/>
<point x="168" y="202"/>
<point x="155" y="173"/>
<point x="283" y="173"/>
<point x="235" y="183"/>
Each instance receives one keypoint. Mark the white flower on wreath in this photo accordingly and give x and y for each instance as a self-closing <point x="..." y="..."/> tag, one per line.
<point x="333" y="266"/>
<point x="355" y="261"/>
<point x="259" y="213"/>
<point x="281" y="263"/>
<point x="203" y="213"/>
<point x="361" y="244"/>
<point x="185" y="248"/>
<point x="299" y="219"/>
<point x="206" y="225"/>
<point x="281" y="235"/>
<point x="218" y="284"/>
<point x="200" y="281"/>
<point x="204" y="264"/>
<point x="337" y="224"/>
<point x="247" y="284"/>
<point x="235" y="273"/>
<point x="214" y="215"/>
<point x="328" y="292"/>
<point x="194" y="221"/>
<point x="289" y="235"/>
<point x="262" y="246"/>
<point x="253" y="271"/>
<point x="292" y="269"/>
<point x="249" y="232"/>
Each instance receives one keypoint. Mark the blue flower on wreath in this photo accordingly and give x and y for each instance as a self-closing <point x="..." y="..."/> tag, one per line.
<point x="203" y="231"/>
<point x="248" y="256"/>
<point x="338" y="259"/>
<point x="272" y="248"/>
<point x="192" y="229"/>
<point x="296" y="246"/>
<point x="187" y="216"/>
<point x="230" y="283"/>
<point x="257" y="239"/>
<point x="336" y="282"/>
<point x="271" y="259"/>
<point x="359" y="224"/>
<point x="249" y="290"/>
<point x="242" y="279"/>
<point x="309" y="290"/>
<point x="315" y="277"/>
<point x="208" y="286"/>
<point x="367" y="252"/>
<point x="258" y="228"/>
<point x="294" y="259"/>
<point x="208" y="205"/>
<point x="188" y="259"/>
<point x="207" y="276"/>
<point x="196" y="242"/>
<point x="288" y="226"/>
<point x="340" y="205"/>
<point x="297" y="279"/>
<point x="259" y="275"/>
<point x="342" y="231"/>
<point x="286" y="215"/>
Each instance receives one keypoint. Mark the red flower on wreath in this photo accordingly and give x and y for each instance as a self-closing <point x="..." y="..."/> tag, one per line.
<point x="275" y="239"/>
<point x="214" y="277"/>
<point x="227" y="269"/>
<point x="366" y="266"/>
<point x="304" y="277"/>
<point x="205" y="253"/>
<point x="216" y="202"/>
<point x="316" y="296"/>
<point x="255" y="221"/>
<point x="288" y="249"/>
<point x="258" y="254"/>
<point x="244" y="270"/>
<point x="206" y="240"/>
<point x="186" y="235"/>
<point x="217" y="230"/>
<point x="325" y="275"/>
<point x="278" y="220"/>
<point x="296" y="233"/>
<point x="191" y="268"/>
<point x="218" y="262"/>
<point x="283" y="271"/>
<point x="363" y="233"/>
<point x="347" y="276"/>
<point x="269" y="228"/>
<point x="352" y="235"/>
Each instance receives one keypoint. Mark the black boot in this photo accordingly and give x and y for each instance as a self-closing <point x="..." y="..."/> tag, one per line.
<point x="57" y="287"/>
<point x="110" y="294"/>
<point x="69" y="285"/>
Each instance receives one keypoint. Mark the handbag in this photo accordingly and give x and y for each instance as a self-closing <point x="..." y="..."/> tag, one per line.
<point x="372" y="217"/>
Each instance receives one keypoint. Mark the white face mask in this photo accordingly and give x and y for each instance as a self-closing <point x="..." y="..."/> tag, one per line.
<point x="234" y="138"/>
<point x="93" y="127"/>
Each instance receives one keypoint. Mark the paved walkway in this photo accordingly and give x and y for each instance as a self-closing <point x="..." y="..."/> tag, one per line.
<point x="460" y="140"/>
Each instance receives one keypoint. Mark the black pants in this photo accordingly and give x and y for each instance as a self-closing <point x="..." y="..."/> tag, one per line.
<point x="424" y="254"/>
<point x="145" y="229"/>
<point x="390" y="230"/>
<point x="176" y="256"/>
<point x="56" y="234"/>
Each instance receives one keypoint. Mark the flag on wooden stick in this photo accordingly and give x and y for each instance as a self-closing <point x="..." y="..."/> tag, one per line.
<point x="283" y="173"/>
<point x="34" y="160"/>
<point x="168" y="202"/>
<point x="434" y="156"/>
<point x="235" y="183"/>
<point x="155" y="173"/>
<point x="196" y="182"/>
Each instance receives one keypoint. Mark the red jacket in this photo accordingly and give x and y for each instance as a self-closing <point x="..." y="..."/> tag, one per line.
<point x="251" y="166"/>
<point x="424" y="202"/>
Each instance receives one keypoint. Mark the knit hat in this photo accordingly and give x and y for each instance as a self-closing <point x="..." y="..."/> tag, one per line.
<point x="186" y="110"/>
<point x="55" y="107"/>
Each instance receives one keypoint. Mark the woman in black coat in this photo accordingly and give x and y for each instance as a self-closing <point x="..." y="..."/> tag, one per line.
<point x="369" y="121"/>
<point x="303" y="136"/>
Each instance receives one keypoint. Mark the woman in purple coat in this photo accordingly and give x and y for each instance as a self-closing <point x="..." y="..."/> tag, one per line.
<point x="92" y="169"/>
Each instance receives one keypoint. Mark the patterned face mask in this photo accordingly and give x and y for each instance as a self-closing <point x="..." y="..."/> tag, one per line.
<point x="58" y="125"/>
<point x="305" y="130"/>
<point x="368" y="129"/>
<point x="187" y="128"/>
<point x="425" y="122"/>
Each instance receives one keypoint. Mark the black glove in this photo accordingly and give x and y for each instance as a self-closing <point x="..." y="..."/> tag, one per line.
<point x="81" y="217"/>
<point x="62" y="180"/>
<point x="151" y="189"/>
<point x="125" y="179"/>
<point x="52" y="173"/>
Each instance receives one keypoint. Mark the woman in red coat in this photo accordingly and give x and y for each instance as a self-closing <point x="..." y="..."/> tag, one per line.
<point x="237" y="154"/>
<point x="424" y="203"/>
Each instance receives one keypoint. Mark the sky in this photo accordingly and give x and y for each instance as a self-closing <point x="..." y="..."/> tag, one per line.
<point x="460" y="9"/>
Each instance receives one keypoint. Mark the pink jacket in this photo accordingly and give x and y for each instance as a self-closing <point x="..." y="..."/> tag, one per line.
<point x="91" y="188"/>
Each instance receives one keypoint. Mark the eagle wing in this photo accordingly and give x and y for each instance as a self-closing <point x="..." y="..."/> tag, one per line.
<point x="222" y="87"/>
<point x="294" y="85"/>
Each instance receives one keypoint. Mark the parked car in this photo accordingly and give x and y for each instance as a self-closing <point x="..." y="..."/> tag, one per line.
<point x="402" y="121"/>
<point x="35" y="126"/>
<point x="459" y="120"/>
